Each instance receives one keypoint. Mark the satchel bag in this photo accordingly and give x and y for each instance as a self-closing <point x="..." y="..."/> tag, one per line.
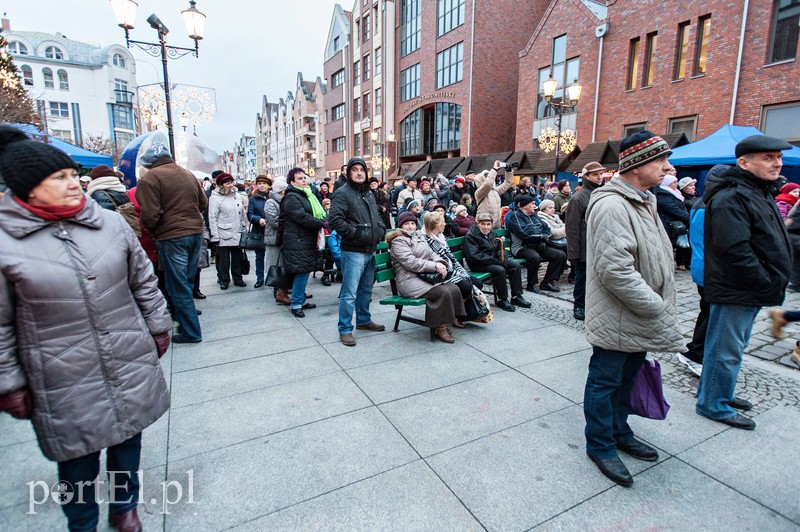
<point x="477" y="307"/>
<point x="434" y="278"/>
<point x="647" y="395"/>
<point x="677" y="228"/>
<point x="278" y="276"/>
<point x="251" y="240"/>
<point x="202" y="258"/>
<point x="127" y="211"/>
<point x="244" y="263"/>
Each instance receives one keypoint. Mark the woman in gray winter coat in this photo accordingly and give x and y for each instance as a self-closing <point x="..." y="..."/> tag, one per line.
<point x="82" y="326"/>
<point x="226" y="222"/>
<point x="272" y="240"/>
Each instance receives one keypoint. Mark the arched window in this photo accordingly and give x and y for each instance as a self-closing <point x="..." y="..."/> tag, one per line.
<point x="63" y="80"/>
<point x="118" y="60"/>
<point x="15" y="47"/>
<point x="27" y="75"/>
<point x="48" y="78"/>
<point x="53" y="52"/>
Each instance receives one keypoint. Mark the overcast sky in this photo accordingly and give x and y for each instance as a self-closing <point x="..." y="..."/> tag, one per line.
<point x="250" y="48"/>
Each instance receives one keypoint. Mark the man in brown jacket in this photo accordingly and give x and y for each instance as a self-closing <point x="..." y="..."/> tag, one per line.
<point x="171" y="200"/>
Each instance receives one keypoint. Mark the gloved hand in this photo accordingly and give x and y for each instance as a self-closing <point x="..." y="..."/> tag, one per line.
<point x="19" y="403"/>
<point x="162" y="343"/>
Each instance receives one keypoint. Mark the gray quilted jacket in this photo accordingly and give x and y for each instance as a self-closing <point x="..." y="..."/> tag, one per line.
<point x="78" y="306"/>
<point x="630" y="285"/>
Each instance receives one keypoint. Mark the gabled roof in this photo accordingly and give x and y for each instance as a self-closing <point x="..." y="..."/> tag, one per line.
<point x="547" y="162"/>
<point x="340" y="25"/>
<point x="446" y="166"/>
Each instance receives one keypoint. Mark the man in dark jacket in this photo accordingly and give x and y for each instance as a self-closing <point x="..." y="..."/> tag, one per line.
<point x="747" y="265"/>
<point x="529" y="241"/>
<point x="354" y="216"/>
<point x="171" y="200"/>
<point x="482" y="249"/>
<point x="592" y="175"/>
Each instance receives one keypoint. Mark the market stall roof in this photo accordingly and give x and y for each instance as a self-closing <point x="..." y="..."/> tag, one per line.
<point x="86" y="158"/>
<point x="607" y="152"/>
<point x="547" y="162"/>
<point x="719" y="148"/>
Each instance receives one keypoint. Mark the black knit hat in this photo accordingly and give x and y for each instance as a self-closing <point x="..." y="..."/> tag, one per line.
<point x="24" y="163"/>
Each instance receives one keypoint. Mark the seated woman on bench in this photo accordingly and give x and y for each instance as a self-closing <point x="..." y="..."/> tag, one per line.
<point x="411" y="256"/>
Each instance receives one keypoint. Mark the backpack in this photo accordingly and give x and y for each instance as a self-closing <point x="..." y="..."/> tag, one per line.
<point x="127" y="211"/>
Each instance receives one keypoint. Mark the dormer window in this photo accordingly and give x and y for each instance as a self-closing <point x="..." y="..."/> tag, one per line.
<point x="18" y="48"/>
<point x="118" y="60"/>
<point x="53" y="52"/>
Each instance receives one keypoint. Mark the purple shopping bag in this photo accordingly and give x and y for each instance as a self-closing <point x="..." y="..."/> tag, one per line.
<point x="647" y="396"/>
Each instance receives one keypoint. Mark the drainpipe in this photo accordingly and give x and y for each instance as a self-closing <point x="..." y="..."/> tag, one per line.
<point x="602" y="36"/>
<point x="471" y="71"/>
<point x="739" y="61"/>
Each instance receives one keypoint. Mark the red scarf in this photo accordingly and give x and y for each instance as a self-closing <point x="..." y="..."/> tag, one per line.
<point x="53" y="213"/>
<point x="788" y="198"/>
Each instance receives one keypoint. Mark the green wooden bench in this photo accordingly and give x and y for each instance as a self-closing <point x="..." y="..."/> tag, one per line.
<point x="384" y="271"/>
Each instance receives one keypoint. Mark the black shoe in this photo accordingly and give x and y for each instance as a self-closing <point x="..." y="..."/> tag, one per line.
<point x="309" y="306"/>
<point x="181" y="339"/>
<point x="326" y="281"/>
<point x="614" y="469"/>
<point x="741" y="404"/>
<point x="550" y="287"/>
<point x="520" y="302"/>
<point x="579" y="314"/>
<point x="639" y="450"/>
<point x="240" y="283"/>
<point x="258" y="284"/>
<point x="199" y="312"/>
<point x="223" y="286"/>
<point x="532" y="288"/>
<point x="197" y="294"/>
<point x="739" y="421"/>
<point x="505" y="305"/>
<point x="298" y="313"/>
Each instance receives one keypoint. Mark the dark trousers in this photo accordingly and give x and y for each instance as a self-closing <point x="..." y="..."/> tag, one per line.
<point x="579" y="290"/>
<point x="122" y="463"/>
<point x="196" y="287"/>
<point x="607" y="399"/>
<point x="554" y="258"/>
<point x="465" y="286"/>
<point x="509" y="271"/>
<point x="695" y="348"/>
<point x="229" y="263"/>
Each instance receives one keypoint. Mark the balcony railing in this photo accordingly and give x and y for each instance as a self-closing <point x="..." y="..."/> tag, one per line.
<point x="123" y="97"/>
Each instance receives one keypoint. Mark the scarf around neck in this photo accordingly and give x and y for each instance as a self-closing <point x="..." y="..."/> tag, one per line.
<point x="316" y="207"/>
<point x="53" y="213"/>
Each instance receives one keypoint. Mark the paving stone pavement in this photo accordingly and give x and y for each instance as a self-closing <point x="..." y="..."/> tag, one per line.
<point x="275" y="425"/>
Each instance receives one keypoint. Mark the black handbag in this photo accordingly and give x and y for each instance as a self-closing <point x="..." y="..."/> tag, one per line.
<point x="251" y="240"/>
<point x="432" y="278"/>
<point x="279" y="276"/>
<point x="476" y="307"/>
<point x="678" y="228"/>
<point x="244" y="263"/>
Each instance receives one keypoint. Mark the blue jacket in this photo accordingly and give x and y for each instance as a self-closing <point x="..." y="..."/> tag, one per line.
<point x="526" y="231"/>
<point x="335" y="247"/>
<point x="255" y="211"/>
<point x="697" y="220"/>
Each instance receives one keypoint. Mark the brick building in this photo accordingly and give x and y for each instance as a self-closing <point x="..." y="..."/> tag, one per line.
<point x="668" y="66"/>
<point x="336" y="72"/>
<point x="308" y="106"/>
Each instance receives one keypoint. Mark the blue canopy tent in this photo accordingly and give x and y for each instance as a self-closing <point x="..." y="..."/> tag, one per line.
<point x="86" y="158"/>
<point x="697" y="158"/>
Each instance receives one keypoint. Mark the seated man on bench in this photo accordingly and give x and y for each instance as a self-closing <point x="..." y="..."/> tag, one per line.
<point x="484" y="253"/>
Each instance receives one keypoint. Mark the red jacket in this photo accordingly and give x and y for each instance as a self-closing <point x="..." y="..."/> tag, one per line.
<point x="146" y="240"/>
<point x="464" y="223"/>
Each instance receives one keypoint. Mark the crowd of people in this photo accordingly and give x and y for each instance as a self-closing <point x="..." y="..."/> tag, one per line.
<point x="112" y="268"/>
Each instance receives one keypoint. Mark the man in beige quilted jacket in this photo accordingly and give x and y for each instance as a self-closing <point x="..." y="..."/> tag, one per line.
<point x="630" y="306"/>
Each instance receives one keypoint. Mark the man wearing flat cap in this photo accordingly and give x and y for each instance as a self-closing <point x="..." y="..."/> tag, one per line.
<point x="747" y="266"/>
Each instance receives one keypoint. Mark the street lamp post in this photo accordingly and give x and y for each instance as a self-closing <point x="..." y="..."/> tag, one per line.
<point x="559" y="108"/>
<point x="125" y="13"/>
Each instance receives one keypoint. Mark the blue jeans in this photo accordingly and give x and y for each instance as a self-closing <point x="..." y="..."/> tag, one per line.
<point x="123" y="459"/>
<point x="729" y="328"/>
<point x="259" y="265"/>
<point x="607" y="400"/>
<point x="179" y="258"/>
<point x="358" y="276"/>
<point x="299" y="289"/>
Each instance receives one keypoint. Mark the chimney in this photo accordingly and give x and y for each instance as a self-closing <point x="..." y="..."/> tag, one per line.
<point x="6" y="24"/>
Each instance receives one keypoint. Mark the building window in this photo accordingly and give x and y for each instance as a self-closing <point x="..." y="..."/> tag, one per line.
<point x="122" y="140"/>
<point x="63" y="80"/>
<point x="366" y="28"/>
<point x="375" y="18"/>
<point x="121" y="91"/>
<point x="336" y="44"/>
<point x="337" y="78"/>
<point x="357" y="144"/>
<point x="409" y="83"/>
<point x="410" y="134"/>
<point x="682" y="50"/>
<point x="61" y="134"/>
<point x="48" y="78"/>
<point x="356" y="72"/>
<point x="378" y="61"/>
<point x="357" y="109"/>
<point x="27" y="75"/>
<point x="409" y="26"/>
<point x="18" y="48"/>
<point x="563" y="71"/>
<point x="59" y="109"/>
<point x="367" y="104"/>
<point x="367" y="67"/>
<point x="118" y="60"/>
<point x="785" y="30"/>
<point x="630" y="129"/>
<point x="378" y="101"/>
<point x="633" y="63"/>
<point x="451" y="15"/>
<point x="650" y="59"/>
<point x="53" y="52"/>
<point x="703" y="36"/>
<point x="338" y="144"/>
<point x="447" y="127"/>
<point x="367" y="142"/>
<point x="684" y="124"/>
<point x="123" y="117"/>
<point x="450" y="65"/>
<point x="338" y="112"/>
<point x="782" y="121"/>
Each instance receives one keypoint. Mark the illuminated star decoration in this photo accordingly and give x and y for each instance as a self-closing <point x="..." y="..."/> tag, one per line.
<point x="195" y="103"/>
<point x="549" y="137"/>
